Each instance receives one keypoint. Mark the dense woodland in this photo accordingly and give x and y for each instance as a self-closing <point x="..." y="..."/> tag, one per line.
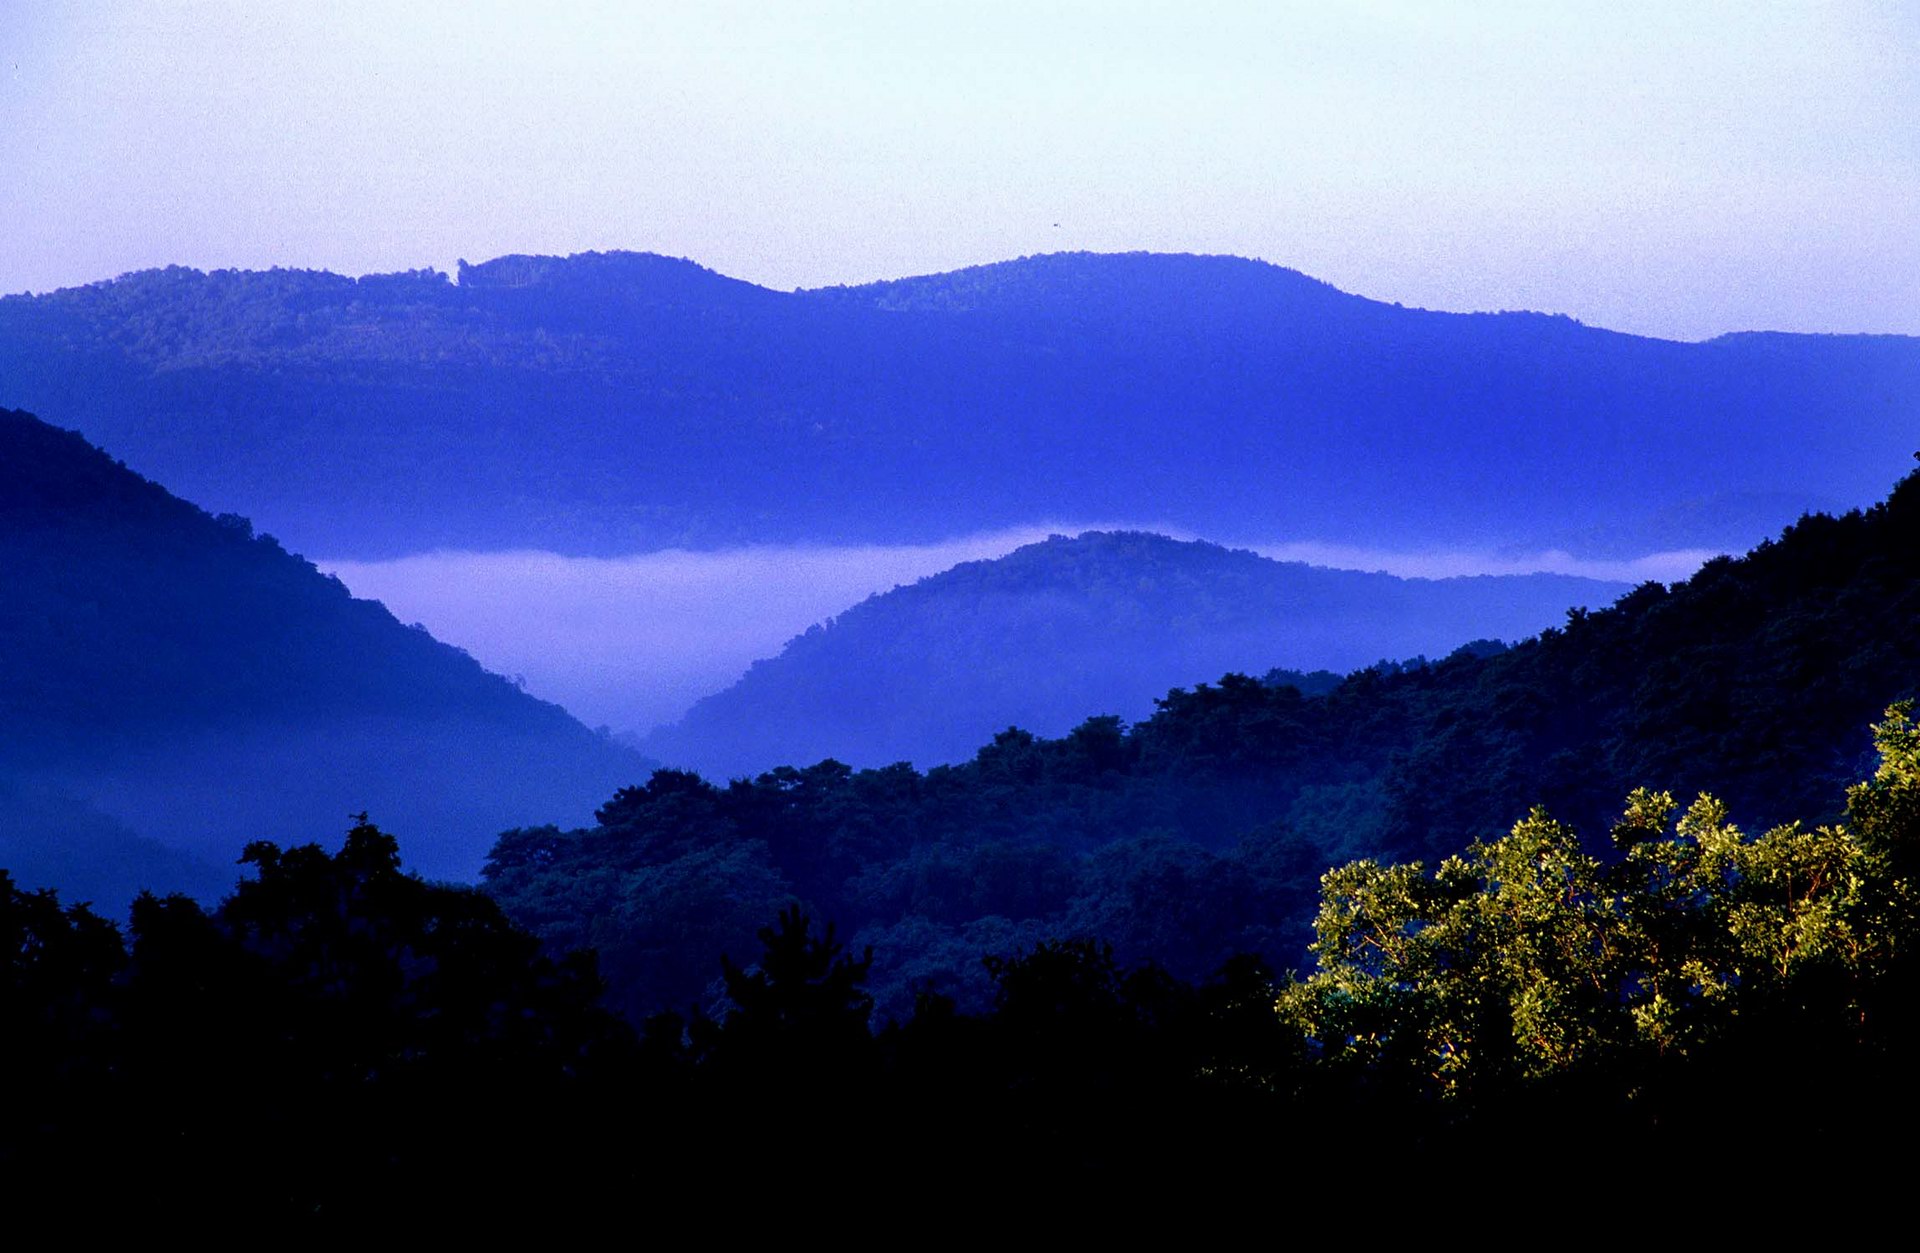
<point x="1200" y="831"/>
<point x="611" y="403"/>
<point x="1639" y="891"/>
<point x="338" y="1040"/>
<point x="1104" y="622"/>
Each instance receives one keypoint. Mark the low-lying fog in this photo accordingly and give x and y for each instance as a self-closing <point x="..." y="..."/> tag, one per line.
<point x="631" y="642"/>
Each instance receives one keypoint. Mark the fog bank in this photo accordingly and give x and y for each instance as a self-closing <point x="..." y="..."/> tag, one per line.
<point x="632" y="642"/>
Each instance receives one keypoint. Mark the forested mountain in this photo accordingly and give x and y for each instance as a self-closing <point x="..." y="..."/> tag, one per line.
<point x="1698" y="990"/>
<point x="1060" y="630"/>
<point x="174" y="675"/>
<point x="615" y="402"/>
<point x="1202" y="830"/>
<point x="1701" y="991"/>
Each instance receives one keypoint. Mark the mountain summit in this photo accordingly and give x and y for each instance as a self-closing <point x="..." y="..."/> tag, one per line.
<point x="1201" y="291"/>
<point x="616" y="402"/>
<point x="1104" y="623"/>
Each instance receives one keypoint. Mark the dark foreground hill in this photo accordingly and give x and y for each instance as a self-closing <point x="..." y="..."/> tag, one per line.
<point x="342" y="1046"/>
<point x="174" y="676"/>
<point x="1203" y="830"/>
<point x="608" y="403"/>
<point x="1059" y="630"/>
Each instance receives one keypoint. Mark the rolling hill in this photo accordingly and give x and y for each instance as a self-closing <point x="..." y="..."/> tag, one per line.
<point x="1055" y="631"/>
<point x="174" y="677"/>
<point x="617" y="402"/>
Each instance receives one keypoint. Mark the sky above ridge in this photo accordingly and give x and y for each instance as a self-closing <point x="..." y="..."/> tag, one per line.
<point x="1677" y="168"/>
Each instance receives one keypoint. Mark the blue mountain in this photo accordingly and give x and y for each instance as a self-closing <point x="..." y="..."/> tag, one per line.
<point x="176" y="685"/>
<point x="1104" y="623"/>
<point x="616" y="402"/>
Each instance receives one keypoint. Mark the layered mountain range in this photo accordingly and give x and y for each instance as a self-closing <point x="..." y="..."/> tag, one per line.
<point x="1204" y="829"/>
<point x="608" y="403"/>
<point x="1055" y="632"/>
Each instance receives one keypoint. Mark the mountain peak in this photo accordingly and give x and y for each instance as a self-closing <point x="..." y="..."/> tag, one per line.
<point x="605" y="284"/>
<point x="1102" y="622"/>
<point x="516" y="271"/>
<point x="1079" y="282"/>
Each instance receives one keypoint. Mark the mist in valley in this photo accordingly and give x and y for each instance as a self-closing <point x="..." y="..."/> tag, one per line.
<point x="630" y="643"/>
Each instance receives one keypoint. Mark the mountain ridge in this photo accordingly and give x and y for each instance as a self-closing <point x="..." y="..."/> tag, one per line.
<point x="1103" y="622"/>
<point x="176" y="674"/>
<point x="613" y="403"/>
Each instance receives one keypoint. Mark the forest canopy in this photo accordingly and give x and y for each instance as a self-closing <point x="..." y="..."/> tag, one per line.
<point x="391" y="1038"/>
<point x="1198" y="832"/>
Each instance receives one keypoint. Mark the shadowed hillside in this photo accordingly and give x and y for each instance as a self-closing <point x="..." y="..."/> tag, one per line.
<point x="191" y="681"/>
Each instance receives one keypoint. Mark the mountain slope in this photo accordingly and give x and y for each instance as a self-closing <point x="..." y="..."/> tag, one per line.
<point x="49" y="839"/>
<point x="608" y="403"/>
<point x="1203" y="830"/>
<point x="183" y="677"/>
<point x="1103" y="623"/>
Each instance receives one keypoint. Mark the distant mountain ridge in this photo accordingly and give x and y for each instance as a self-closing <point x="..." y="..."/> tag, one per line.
<point x="616" y="402"/>
<point x="1198" y="291"/>
<point x="1102" y="623"/>
<point x="174" y="677"/>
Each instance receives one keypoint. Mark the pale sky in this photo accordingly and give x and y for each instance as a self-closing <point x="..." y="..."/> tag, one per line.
<point x="1676" y="168"/>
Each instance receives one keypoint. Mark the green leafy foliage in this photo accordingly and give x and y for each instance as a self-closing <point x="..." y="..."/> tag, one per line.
<point x="1886" y="808"/>
<point x="1526" y="957"/>
<point x="340" y="1040"/>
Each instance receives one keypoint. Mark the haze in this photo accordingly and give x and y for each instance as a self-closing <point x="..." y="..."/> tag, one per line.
<point x="632" y="642"/>
<point x="1672" y="169"/>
